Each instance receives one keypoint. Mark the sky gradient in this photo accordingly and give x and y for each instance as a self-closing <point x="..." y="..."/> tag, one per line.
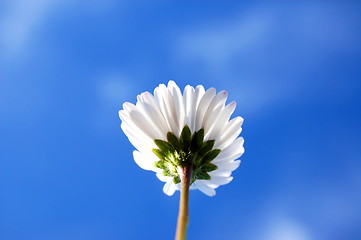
<point x="66" y="67"/>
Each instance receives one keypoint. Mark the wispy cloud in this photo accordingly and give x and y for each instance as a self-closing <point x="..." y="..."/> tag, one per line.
<point x="20" y="22"/>
<point x="111" y="89"/>
<point x="283" y="228"/>
<point x="216" y="44"/>
<point x="114" y="87"/>
<point x="272" y="52"/>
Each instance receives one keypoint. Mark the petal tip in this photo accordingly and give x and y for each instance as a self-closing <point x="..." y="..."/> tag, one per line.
<point x="169" y="188"/>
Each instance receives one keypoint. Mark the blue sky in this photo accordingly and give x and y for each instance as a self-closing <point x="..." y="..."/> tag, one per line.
<point x="66" y="67"/>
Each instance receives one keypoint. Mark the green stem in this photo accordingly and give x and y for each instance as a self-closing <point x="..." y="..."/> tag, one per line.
<point x="185" y="175"/>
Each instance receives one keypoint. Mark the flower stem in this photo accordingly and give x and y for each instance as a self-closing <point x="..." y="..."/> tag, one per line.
<point x="185" y="175"/>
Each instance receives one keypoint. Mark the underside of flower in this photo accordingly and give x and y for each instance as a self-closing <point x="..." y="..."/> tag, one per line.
<point x="187" y="151"/>
<point x="172" y="130"/>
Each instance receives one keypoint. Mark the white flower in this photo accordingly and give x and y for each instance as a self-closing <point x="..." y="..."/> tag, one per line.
<point x="169" y="112"/>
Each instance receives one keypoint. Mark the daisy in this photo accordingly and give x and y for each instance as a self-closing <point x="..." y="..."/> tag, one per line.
<point x="187" y="139"/>
<point x="173" y="132"/>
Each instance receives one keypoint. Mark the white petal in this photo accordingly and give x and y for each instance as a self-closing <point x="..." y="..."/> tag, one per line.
<point x="199" y="92"/>
<point x="198" y="95"/>
<point x="200" y="184"/>
<point x="146" y="116"/>
<point x="126" y="120"/>
<point x="222" y="121"/>
<point x="203" y="106"/>
<point x="230" y="157"/>
<point x="210" y="184"/>
<point x="217" y="180"/>
<point x="150" y="110"/>
<point x="178" y="104"/>
<point x="230" y="133"/>
<point x="232" y="152"/>
<point x="169" y="188"/>
<point x="192" y="186"/>
<point x="145" y="163"/>
<point x="218" y="173"/>
<point x="189" y="105"/>
<point x="145" y="124"/>
<point x="178" y="186"/>
<point x="136" y="136"/>
<point x="213" y="113"/>
<point x="140" y="145"/>
<point x="125" y="116"/>
<point x="165" y="104"/>
<point x="127" y="106"/>
<point x="226" y="166"/>
<point x="163" y="178"/>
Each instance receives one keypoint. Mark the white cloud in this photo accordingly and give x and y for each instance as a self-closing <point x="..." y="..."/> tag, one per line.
<point x="20" y="22"/>
<point x="283" y="228"/>
<point x="323" y="211"/>
<point x="217" y="43"/>
<point x="268" y="55"/>
<point x="113" y="88"/>
<point x="308" y="26"/>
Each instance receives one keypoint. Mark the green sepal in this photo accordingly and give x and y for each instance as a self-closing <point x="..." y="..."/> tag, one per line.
<point x="187" y="150"/>
<point x="176" y="180"/>
<point x="210" y="156"/>
<point x="185" y="138"/>
<point x="209" y="167"/>
<point x="194" y="160"/>
<point x="169" y="173"/>
<point x="159" y="153"/>
<point x="206" y="147"/>
<point x="203" y="176"/>
<point x="160" y="164"/>
<point x="197" y="140"/>
<point x="164" y="146"/>
<point x="173" y="140"/>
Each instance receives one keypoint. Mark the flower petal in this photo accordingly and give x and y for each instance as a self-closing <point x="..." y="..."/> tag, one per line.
<point x="213" y="113"/>
<point x="198" y="95"/>
<point x="145" y="163"/>
<point x="226" y="166"/>
<point x="219" y="180"/>
<point x="222" y="120"/>
<point x="203" y="106"/>
<point x="136" y="141"/>
<point x="232" y="152"/>
<point x="150" y="110"/>
<point x="145" y="125"/>
<point x="178" y="104"/>
<point x="189" y="106"/>
<point x="166" y="106"/>
<point x="203" y="187"/>
<point x="230" y="133"/>
<point x="163" y="178"/>
<point x="169" y="188"/>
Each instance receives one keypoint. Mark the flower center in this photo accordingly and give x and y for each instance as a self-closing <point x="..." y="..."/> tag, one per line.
<point x="186" y="151"/>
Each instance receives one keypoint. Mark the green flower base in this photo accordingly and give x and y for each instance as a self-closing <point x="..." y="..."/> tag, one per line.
<point x="187" y="151"/>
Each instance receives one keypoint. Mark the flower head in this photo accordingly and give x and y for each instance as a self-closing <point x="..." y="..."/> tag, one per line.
<point x="171" y="130"/>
